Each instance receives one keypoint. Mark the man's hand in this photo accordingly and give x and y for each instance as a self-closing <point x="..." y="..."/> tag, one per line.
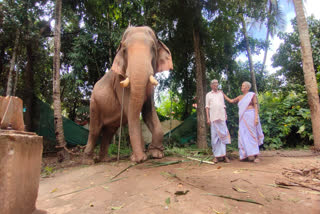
<point x="256" y="121"/>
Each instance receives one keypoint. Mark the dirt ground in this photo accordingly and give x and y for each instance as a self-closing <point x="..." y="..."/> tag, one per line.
<point x="144" y="189"/>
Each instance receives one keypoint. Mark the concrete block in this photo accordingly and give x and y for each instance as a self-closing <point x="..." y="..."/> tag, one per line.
<point x="11" y="113"/>
<point x="20" y="165"/>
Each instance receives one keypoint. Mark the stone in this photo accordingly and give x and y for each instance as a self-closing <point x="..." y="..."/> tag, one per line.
<point x="20" y="165"/>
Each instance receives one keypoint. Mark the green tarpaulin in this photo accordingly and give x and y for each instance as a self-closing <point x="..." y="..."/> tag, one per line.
<point x="185" y="132"/>
<point x="74" y="134"/>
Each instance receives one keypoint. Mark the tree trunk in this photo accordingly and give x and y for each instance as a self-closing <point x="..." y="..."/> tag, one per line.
<point x="267" y="37"/>
<point x="12" y="64"/>
<point x="308" y="71"/>
<point x="246" y="38"/>
<point x="28" y="90"/>
<point x="109" y="39"/>
<point x="58" y="125"/>
<point x="266" y="50"/>
<point x="200" y="75"/>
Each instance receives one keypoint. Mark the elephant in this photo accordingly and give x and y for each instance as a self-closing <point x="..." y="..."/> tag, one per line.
<point x="139" y="57"/>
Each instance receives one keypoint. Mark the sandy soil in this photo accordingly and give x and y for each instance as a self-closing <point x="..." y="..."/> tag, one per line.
<point x="144" y="189"/>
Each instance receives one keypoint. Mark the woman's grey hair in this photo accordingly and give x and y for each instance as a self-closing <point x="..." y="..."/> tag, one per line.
<point x="248" y="84"/>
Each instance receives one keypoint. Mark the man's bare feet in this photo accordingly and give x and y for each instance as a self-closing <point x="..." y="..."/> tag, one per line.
<point x="226" y="159"/>
<point x="215" y="160"/>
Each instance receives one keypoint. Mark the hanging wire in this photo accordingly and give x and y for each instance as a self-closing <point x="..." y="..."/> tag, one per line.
<point x="118" y="157"/>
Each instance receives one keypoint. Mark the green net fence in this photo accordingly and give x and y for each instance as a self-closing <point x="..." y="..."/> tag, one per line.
<point x="44" y="126"/>
<point x="184" y="133"/>
<point x="75" y="134"/>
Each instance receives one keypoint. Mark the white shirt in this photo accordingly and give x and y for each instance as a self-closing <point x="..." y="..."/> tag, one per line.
<point x="216" y="105"/>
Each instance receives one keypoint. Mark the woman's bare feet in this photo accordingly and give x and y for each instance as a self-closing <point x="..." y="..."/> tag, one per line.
<point x="251" y="158"/>
<point x="256" y="160"/>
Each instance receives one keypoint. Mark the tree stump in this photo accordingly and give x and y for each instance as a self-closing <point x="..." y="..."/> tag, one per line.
<point x="11" y="115"/>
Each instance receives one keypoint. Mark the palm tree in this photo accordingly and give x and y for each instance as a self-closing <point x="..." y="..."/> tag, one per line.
<point x="58" y="125"/>
<point x="308" y="71"/>
<point x="275" y="22"/>
<point x="249" y="54"/>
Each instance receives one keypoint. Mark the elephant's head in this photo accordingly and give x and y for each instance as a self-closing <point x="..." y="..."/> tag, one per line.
<point x="139" y="56"/>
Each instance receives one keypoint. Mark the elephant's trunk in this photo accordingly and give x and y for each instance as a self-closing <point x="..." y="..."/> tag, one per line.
<point x="139" y="70"/>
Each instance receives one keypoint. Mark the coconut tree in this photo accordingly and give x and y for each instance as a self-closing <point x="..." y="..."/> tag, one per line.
<point x="58" y="125"/>
<point x="308" y="71"/>
<point x="275" y="22"/>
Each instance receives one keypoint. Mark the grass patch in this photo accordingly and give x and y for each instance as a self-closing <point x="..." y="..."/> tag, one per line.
<point x="187" y="151"/>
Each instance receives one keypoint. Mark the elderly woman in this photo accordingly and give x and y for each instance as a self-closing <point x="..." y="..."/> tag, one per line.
<point x="250" y="135"/>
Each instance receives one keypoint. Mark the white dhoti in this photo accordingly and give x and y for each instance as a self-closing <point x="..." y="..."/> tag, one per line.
<point x="219" y="138"/>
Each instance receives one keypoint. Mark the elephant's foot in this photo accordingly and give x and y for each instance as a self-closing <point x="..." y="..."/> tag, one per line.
<point x="104" y="159"/>
<point x="156" y="151"/>
<point x="139" y="158"/>
<point x="87" y="159"/>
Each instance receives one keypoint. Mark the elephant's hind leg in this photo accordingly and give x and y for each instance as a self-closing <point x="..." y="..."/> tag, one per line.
<point x="94" y="132"/>
<point x="106" y="140"/>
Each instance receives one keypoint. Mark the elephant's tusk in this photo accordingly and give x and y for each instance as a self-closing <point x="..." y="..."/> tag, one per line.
<point x="153" y="80"/>
<point x="125" y="83"/>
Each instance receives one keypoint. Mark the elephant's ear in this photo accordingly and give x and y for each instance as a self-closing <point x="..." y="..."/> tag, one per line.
<point x="118" y="65"/>
<point x="164" y="60"/>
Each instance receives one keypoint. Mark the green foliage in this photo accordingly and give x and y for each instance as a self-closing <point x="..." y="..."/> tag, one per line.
<point x="171" y="106"/>
<point x="288" y="55"/>
<point x="113" y="150"/>
<point x="285" y="119"/>
<point x="47" y="171"/>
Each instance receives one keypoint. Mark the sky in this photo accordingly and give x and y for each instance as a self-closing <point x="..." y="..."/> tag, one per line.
<point x="311" y="8"/>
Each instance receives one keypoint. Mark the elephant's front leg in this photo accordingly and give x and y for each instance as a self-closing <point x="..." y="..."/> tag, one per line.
<point x="151" y="119"/>
<point x="138" y="154"/>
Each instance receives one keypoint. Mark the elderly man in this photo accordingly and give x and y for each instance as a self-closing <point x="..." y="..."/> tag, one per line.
<point x="216" y="118"/>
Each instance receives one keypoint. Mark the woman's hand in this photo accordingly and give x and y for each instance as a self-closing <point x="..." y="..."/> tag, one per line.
<point x="208" y="121"/>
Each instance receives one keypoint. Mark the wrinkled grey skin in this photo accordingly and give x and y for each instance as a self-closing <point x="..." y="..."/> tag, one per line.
<point x="139" y="55"/>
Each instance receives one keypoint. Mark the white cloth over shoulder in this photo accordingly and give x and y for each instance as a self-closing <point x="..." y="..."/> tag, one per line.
<point x="216" y="105"/>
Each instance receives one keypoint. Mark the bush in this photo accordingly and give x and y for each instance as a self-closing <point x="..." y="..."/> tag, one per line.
<point x="285" y="119"/>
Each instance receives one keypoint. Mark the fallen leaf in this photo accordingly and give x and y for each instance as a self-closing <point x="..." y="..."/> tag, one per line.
<point x="168" y="201"/>
<point x="91" y="205"/>
<point x="105" y="187"/>
<point x="219" y="167"/>
<point x="313" y="192"/>
<point x="181" y="192"/>
<point x="217" y="212"/>
<point x="239" y="190"/>
<point x="237" y="171"/>
<point x="54" y="190"/>
<point x="117" y="208"/>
